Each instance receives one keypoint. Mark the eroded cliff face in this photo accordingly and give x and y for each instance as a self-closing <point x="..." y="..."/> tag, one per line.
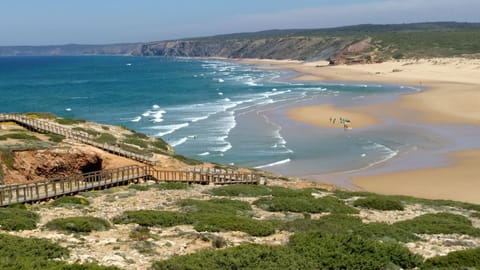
<point x="296" y="48"/>
<point x="36" y="165"/>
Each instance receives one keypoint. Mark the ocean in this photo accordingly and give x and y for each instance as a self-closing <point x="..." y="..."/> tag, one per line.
<point x="212" y="110"/>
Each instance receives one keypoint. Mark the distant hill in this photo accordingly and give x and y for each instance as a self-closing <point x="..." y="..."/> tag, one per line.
<point x="70" y="49"/>
<point x="350" y="44"/>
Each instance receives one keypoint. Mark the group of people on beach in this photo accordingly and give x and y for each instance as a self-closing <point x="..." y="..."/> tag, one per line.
<point x="343" y="121"/>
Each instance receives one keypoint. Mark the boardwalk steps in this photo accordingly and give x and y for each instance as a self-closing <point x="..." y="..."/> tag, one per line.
<point x="53" y="188"/>
<point x="49" y="127"/>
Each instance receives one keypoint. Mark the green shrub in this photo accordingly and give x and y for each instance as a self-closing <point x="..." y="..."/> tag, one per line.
<point x="345" y="224"/>
<point x="151" y="218"/>
<point x="290" y="192"/>
<point x="306" y="251"/>
<point x="223" y="222"/>
<point x="187" y="160"/>
<point x="220" y="206"/>
<point x="133" y="149"/>
<point x="88" y="131"/>
<point x="476" y="214"/>
<point x="106" y="138"/>
<point x="55" y="137"/>
<point x="171" y="186"/>
<point x="69" y="121"/>
<point x="379" y="203"/>
<point x="137" y="135"/>
<point x="241" y="191"/>
<point x="160" y="144"/>
<point x="17" y="253"/>
<point x="305" y="205"/>
<point x="78" y="224"/>
<point x="439" y="223"/>
<point x="140" y="233"/>
<point x="70" y="200"/>
<point x="137" y="142"/>
<point x="462" y="259"/>
<point x="139" y="187"/>
<point x="43" y="115"/>
<point x="17" y="219"/>
<point x="18" y="136"/>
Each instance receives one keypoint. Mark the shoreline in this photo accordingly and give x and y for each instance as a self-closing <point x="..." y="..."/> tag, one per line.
<point x="451" y="97"/>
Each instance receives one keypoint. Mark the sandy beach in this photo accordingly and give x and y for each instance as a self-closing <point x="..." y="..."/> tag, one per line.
<point x="452" y="96"/>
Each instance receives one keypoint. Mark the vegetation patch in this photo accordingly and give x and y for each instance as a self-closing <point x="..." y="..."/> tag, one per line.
<point x="306" y="251"/>
<point x="138" y="142"/>
<point x="139" y="187"/>
<point x="43" y="115"/>
<point x="439" y="223"/>
<point x="55" y="137"/>
<point x="350" y="225"/>
<point x="379" y="203"/>
<point x="223" y="222"/>
<point x="220" y="206"/>
<point x="463" y="259"/>
<point x="17" y="253"/>
<point x="88" y="131"/>
<point x="106" y="138"/>
<point x="79" y="224"/>
<point x="305" y="205"/>
<point x="160" y="144"/>
<point x="17" y="219"/>
<point x="241" y="191"/>
<point x="187" y="160"/>
<point x="70" y="201"/>
<point x="70" y="121"/>
<point x="151" y="218"/>
<point x="18" y="136"/>
<point x="171" y="186"/>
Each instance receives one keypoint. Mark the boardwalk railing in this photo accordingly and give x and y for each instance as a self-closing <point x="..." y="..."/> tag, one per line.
<point x="52" y="188"/>
<point x="47" y="126"/>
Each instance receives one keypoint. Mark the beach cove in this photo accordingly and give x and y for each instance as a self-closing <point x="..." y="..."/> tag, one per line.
<point x="450" y="104"/>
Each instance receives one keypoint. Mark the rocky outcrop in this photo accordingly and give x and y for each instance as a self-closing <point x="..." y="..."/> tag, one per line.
<point x="37" y="165"/>
<point x="297" y="48"/>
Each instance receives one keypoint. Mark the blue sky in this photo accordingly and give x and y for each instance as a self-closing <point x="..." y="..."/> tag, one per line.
<point x="46" y="22"/>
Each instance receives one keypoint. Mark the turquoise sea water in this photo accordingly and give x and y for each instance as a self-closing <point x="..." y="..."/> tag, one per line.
<point x="211" y="110"/>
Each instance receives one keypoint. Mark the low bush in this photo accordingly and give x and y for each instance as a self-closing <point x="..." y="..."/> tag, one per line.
<point x="241" y="191"/>
<point x="69" y="201"/>
<point x="17" y="219"/>
<point x="306" y="251"/>
<point x="160" y="144"/>
<point x="305" y="205"/>
<point x="139" y="187"/>
<point x="138" y="142"/>
<point x="17" y="253"/>
<point x="379" y="203"/>
<point x="171" y="186"/>
<point x="476" y="214"/>
<point x="69" y="121"/>
<point x="345" y="224"/>
<point x="187" y="160"/>
<point x="220" y="206"/>
<point x="137" y="135"/>
<point x="55" y="137"/>
<point x="223" y="222"/>
<point x="18" y="136"/>
<point x="106" y="138"/>
<point x="140" y="233"/>
<point x="88" y="131"/>
<point x="439" y="223"/>
<point x="78" y="224"/>
<point x="151" y="218"/>
<point x="463" y="259"/>
<point x="290" y="192"/>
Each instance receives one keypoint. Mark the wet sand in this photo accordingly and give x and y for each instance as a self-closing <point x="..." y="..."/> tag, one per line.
<point x="452" y="96"/>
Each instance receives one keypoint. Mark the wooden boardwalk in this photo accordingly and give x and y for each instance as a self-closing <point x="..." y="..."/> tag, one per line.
<point x="53" y="188"/>
<point x="45" y="126"/>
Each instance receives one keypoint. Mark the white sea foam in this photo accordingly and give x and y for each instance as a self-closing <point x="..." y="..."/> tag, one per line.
<point x="204" y="154"/>
<point x="179" y="142"/>
<point x="156" y="107"/>
<point x="137" y="119"/>
<point x="169" y="129"/>
<point x="274" y="164"/>
<point x="220" y="93"/>
<point x="158" y="116"/>
<point x="146" y="114"/>
<point x="221" y="80"/>
<point x="196" y="119"/>
<point x="68" y="109"/>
